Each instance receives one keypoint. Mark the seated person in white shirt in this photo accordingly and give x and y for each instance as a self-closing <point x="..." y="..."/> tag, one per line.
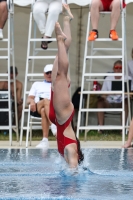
<point x="3" y="16"/>
<point x="39" y="101"/>
<point x="111" y="101"/>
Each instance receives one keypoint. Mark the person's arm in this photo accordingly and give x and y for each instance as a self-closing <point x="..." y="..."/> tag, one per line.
<point x="2" y="85"/>
<point x="31" y="97"/>
<point x="19" y="93"/>
<point x="31" y="102"/>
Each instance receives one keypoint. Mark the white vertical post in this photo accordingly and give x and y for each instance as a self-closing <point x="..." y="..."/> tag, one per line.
<point x="9" y="85"/>
<point x="26" y="72"/>
<point x="83" y="72"/>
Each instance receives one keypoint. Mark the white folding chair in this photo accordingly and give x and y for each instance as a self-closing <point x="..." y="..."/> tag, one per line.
<point x="32" y="123"/>
<point x="10" y="57"/>
<point x="30" y="63"/>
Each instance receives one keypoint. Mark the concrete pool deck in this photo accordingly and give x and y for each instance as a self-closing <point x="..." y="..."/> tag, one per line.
<point x="52" y="144"/>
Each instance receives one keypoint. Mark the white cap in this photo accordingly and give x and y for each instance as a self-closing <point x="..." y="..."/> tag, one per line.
<point x="48" y="68"/>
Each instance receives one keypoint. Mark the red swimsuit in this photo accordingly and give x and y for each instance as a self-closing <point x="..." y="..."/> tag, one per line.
<point x="106" y="4"/>
<point x="62" y="141"/>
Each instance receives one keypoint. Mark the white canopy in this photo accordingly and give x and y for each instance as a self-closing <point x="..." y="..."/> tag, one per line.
<point x="78" y="2"/>
<point x="28" y="2"/>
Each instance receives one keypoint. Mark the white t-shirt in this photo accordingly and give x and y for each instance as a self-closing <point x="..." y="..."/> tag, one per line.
<point x="130" y="71"/>
<point x="107" y="86"/>
<point x="41" y="89"/>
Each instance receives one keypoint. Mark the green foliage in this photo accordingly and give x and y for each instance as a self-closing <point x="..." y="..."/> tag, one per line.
<point x="91" y="135"/>
<point x="36" y="135"/>
<point x="106" y="135"/>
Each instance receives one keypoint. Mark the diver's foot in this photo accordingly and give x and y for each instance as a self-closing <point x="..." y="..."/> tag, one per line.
<point x="59" y="32"/>
<point x="67" y="11"/>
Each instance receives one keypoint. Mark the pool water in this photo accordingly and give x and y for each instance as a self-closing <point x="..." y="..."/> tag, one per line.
<point x="106" y="174"/>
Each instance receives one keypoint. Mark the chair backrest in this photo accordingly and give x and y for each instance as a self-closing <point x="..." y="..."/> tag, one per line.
<point x="79" y="2"/>
<point x="32" y="122"/>
<point x="4" y="117"/>
<point x="4" y="96"/>
<point x="88" y="2"/>
<point x="23" y="2"/>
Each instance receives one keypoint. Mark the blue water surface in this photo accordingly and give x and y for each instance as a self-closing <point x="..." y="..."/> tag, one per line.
<point x="106" y="174"/>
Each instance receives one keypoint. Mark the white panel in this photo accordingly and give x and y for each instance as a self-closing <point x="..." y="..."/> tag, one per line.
<point x="28" y="2"/>
<point x="79" y="2"/>
<point x="128" y="1"/>
<point x="23" y="2"/>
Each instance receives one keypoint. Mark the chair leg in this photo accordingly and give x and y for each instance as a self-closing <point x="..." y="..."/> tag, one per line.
<point x="27" y="137"/>
<point x="127" y="124"/>
<point x="30" y="131"/>
<point x="27" y="132"/>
